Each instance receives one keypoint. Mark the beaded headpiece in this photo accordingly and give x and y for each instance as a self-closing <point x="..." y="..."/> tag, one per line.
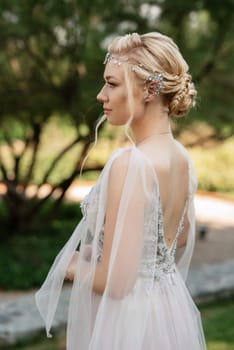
<point x="154" y="77"/>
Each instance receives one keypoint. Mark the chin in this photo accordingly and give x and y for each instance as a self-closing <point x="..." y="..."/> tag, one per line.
<point x="115" y="122"/>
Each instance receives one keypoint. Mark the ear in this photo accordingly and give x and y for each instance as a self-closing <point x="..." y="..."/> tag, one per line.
<point x="150" y="92"/>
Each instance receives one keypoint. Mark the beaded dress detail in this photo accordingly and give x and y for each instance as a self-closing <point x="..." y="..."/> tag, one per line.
<point x="165" y="258"/>
<point x="165" y="264"/>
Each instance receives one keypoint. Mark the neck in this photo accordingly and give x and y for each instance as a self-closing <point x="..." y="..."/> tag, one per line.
<point x="153" y="135"/>
<point x="146" y="127"/>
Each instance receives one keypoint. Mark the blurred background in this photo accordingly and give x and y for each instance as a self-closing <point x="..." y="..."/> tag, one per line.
<point x="51" y="68"/>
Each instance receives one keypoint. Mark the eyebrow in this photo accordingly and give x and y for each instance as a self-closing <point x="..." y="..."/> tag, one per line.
<point x="110" y="77"/>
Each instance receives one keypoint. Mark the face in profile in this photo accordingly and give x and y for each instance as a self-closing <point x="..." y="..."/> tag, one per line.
<point x="114" y="95"/>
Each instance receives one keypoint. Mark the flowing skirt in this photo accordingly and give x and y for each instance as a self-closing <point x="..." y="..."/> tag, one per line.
<point x="174" y="321"/>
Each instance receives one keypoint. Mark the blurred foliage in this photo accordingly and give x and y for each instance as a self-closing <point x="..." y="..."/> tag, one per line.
<point x="25" y="260"/>
<point x="51" y="65"/>
<point x="214" y="169"/>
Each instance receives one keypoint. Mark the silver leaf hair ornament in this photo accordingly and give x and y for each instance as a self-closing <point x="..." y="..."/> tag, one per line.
<point x="153" y="78"/>
<point x="158" y="79"/>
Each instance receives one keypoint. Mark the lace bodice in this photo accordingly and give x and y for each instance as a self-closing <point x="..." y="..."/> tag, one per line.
<point x="164" y="264"/>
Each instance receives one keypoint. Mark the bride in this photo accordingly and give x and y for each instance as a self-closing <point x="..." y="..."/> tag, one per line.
<point x="128" y="289"/>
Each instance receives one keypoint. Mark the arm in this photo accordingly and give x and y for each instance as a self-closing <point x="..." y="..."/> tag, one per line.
<point x="129" y="194"/>
<point x="115" y="187"/>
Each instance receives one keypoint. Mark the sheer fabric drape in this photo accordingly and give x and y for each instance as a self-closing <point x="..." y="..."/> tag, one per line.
<point x="127" y="315"/>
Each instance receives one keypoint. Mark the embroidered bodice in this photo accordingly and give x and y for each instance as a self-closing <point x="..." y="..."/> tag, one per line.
<point x="164" y="264"/>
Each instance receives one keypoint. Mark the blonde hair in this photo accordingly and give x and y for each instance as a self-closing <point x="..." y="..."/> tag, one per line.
<point x="147" y="54"/>
<point x="155" y="52"/>
<point x="99" y="122"/>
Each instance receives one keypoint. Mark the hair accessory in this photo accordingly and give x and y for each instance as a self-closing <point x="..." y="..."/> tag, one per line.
<point x="153" y="78"/>
<point x="158" y="79"/>
<point x="116" y="60"/>
<point x="107" y="58"/>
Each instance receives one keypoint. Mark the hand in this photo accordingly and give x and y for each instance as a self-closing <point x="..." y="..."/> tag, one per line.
<point x="72" y="267"/>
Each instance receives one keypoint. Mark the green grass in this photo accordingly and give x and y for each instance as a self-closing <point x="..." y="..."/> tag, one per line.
<point x="58" y="342"/>
<point x="218" y="321"/>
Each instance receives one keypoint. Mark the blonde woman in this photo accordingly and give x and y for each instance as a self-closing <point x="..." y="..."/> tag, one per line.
<point x="128" y="288"/>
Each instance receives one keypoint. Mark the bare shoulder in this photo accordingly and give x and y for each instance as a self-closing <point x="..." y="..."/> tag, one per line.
<point x="118" y="172"/>
<point x="130" y="163"/>
<point x="121" y="162"/>
<point x="116" y="180"/>
<point x="131" y="159"/>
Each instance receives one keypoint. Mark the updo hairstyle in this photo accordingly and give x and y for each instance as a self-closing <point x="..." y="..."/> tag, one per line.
<point x="155" y="52"/>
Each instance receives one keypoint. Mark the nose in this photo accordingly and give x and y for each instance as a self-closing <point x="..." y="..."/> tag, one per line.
<point x="101" y="97"/>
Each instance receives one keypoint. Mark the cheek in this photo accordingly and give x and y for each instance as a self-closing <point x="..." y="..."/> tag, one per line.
<point x="137" y="109"/>
<point x="120" y="113"/>
<point x="121" y="104"/>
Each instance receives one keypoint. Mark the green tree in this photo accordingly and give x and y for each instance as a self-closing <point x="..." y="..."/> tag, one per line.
<point x="204" y="32"/>
<point x="51" y="64"/>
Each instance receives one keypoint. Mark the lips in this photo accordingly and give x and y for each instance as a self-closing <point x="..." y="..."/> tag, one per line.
<point x="106" y="110"/>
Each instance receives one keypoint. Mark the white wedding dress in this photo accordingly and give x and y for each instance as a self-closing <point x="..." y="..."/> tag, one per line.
<point x="145" y="305"/>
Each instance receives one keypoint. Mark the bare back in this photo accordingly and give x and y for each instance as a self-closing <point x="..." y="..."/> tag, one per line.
<point x="171" y="168"/>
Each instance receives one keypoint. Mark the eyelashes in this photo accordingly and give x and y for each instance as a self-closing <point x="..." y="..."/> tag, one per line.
<point x="108" y="83"/>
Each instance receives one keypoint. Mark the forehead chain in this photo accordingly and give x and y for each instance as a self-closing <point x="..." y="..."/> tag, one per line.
<point x="154" y="77"/>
